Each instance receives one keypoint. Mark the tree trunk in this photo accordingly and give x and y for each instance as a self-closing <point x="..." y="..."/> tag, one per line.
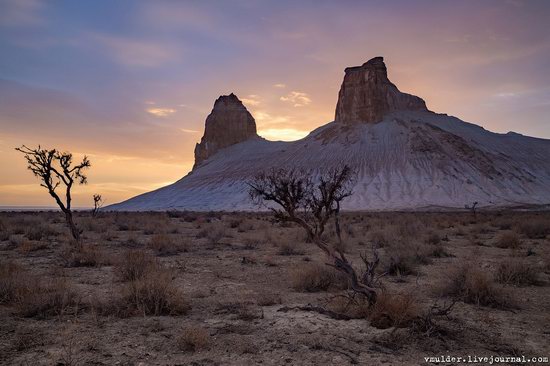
<point x="74" y="230"/>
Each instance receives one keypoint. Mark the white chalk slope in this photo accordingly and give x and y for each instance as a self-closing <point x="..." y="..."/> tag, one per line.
<point x="410" y="160"/>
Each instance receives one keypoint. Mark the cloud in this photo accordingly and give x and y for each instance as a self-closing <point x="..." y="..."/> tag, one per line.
<point x="161" y="112"/>
<point x="279" y="85"/>
<point x="298" y="99"/>
<point x="132" y="52"/>
<point x="18" y="13"/>
<point x="188" y="131"/>
<point x="251" y="100"/>
<point x="265" y="118"/>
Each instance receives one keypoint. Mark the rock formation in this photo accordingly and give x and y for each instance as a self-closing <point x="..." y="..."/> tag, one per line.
<point x="405" y="156"/>
<point x="229" y="123"/>
<point x="367" y="95"/>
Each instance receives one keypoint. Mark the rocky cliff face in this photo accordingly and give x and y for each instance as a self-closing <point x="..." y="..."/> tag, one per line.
<point x="367" y="95"/>
<point x="229" y="123"/>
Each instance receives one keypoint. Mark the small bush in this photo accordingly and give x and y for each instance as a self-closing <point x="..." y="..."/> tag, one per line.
<point x="10" y="281"/>
<point x="163" y="244"/>
<point x="84" y="256"/>
<point x="268" y="299"/>
<point x="193" y="339"/>
<point x="517" y="273"/>
<point x="535" y="229"/>
<point x="396" y="311"/>
<point x="433" y="238"/>
<point x="134" y="265"/>
<point x="39" y="232"/>
<point x="286" y="248"/>
<point x="474" y="286"/>
<point x="25" y="247"/>
<point x="153" y="294"/>
<point x="317" y="277"/>
<point x="509" y="240"/>
<point x="53" y="298"/>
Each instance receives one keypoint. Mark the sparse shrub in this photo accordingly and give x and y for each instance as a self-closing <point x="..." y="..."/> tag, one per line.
<point x="134" y="264"/>
<point x="404" y="260"/>
<point x="268" y="299"/>
<point x="193" y="339"/>
<point x="26" y="246"/>
<point x="517" y="273"/>
<point x="251" y="244"/>
<point x="39" y="232"/>
<point x="153" y="294"/>
<point x="10" y="280"/>
<point x="317" y="277"/>
<point x="474" y="286"/>
<point x="535" y="229"/>
<point x="433" y="238"/>
<point x="36" y="298"/>
<point x="287" y="248"/>
<point x="383" y="237"/>
<point x="84" y="256"/>
<point x="163" y="244"/>
<point x="398" y="311"/>
<point x="508" y="240"/>
<point x="439" y="251"/>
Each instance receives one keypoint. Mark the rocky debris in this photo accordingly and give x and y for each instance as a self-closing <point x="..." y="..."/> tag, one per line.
<point x="367" y="95"/>
<point x="229" y="123"/>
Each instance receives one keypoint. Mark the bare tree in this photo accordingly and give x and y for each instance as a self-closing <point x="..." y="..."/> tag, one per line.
<point x="311" y="202"/>
<point x="98" y="203"/>
<point x="472" y="209"/>
<point x="55" y="168"/>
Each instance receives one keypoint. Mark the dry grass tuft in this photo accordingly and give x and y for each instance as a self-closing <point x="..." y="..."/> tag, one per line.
<point x="155" y="293"/>
<point x="193" y="339"/>
<point x="317" y="277"/>
<point x="535" y="229"/>
<point x="84" y="256"/>
<point x="134" y="265"/>
<point x="472" y="285"/>
<point x="393" y="311"/>
<point x="509" y="240"/>
<point x="517" y="273"/>
<point x="10" y="281"/>
<point x="162" y="244"/>
<point x="287" y="248"/>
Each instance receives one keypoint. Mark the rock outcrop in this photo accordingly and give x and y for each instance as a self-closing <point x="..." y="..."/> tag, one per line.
<point x="229" y="123"/>
<point x="367" y="95"/>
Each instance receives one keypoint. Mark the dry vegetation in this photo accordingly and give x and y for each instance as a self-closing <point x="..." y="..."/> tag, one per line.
<point x="238" y="289"/>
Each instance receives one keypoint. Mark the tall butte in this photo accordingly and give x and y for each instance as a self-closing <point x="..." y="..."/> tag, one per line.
<point x="367" y="95"/>
<point x="228" y="124"/>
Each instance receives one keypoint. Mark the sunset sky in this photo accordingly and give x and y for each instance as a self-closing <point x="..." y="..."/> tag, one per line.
<point x="130" y="83"/>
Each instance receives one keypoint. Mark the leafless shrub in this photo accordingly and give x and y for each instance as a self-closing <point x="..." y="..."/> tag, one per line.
<point x="162" y="244"/>
<point x="25" y="247"/>
<point x="518" y="273"/>
<point x="134" y="265"/>
<point x="535" y="229"/>
<point x="433" y="238"/>
<point x="80" y="255"/>
<point x="317" y="277"/>
<point x="268" y="299"/>
<point x="470" y="284"/>
<point x="286" y="248"/>
<point x="11" y="275"/>
<point x="508" y="240"/>
<point x="39" y="232"/>
<point x="153" y="294"/>
<point x="41" y="299"/>
<point x="393" y="311"/>
<point x="193" y="339"/>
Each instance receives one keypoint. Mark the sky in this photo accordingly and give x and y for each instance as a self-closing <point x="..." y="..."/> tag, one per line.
<point x="130" y="83"/>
